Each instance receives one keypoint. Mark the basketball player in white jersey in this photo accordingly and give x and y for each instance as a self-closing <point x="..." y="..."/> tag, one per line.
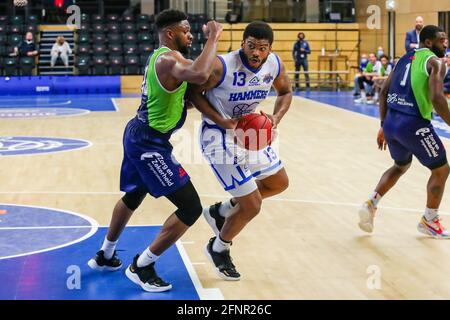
<point x="240" y="81"/>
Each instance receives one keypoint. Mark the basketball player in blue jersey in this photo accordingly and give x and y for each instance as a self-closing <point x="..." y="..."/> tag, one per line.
<point x="407" y="100"/>
<point x="240" y="81"/>
<point x="148" y="165"/>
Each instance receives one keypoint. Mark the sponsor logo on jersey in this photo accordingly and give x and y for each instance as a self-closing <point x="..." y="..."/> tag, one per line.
<point x="395" y="99"/>
<point x="12" y="146"/>
<point x="248" y="95"/>
<point x="267" y="78"/>
<point x="243" y="108"/>
<point x="254" y="81"/>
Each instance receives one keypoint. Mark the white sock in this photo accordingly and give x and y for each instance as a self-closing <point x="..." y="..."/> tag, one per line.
<point x="147" y="257"/>
<point x="219" y="245"/>
<point x="363" y="94"/>
<point x="431" y="214"/>
<point x="375" y="198"/>
<point x="225" y="208"/>
<point x="108" y="247"/>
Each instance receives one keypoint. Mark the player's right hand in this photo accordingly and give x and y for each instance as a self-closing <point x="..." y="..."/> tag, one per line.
<point x="228" y="123"/>
<point x="380" y="140"/>
<point x="213" y="29"/>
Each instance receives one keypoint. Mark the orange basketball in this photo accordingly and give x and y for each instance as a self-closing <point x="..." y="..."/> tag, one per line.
<point x="254" y="131"/>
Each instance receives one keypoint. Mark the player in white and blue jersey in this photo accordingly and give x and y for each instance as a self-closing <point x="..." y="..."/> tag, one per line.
<point x="240" y="81"/>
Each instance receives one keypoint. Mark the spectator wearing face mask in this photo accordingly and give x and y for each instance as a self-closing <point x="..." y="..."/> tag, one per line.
<point x="300" y="53"/>
<point x="373" y="69"/>
<point x="362" y="65"/>
<point x="27" y="48"/>
<point x="380" y="52"/>
<point x="386" y="69"/>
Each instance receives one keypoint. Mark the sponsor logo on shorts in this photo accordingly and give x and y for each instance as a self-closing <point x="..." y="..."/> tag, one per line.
<point x="428" y="142"/>
<point x="158" y="166"/>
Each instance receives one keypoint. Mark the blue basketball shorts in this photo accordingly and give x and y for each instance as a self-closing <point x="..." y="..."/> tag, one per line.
<point x="408" y="135"/>
<point x="148" y="162"/>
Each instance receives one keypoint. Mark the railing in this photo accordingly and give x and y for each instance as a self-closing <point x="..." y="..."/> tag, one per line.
<point x="336" y="80"/>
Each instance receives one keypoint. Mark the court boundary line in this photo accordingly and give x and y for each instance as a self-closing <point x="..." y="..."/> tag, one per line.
<point x="92" y="221"/>
<point x="113" y="100"/>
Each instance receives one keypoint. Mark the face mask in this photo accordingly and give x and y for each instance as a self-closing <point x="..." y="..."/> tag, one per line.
<point x="380" y="53"/>
<point x="364" y="61"/>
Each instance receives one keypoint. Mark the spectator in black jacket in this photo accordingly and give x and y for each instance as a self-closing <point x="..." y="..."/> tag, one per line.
<point x="300" y="54"/>
<point x="27" y="48"/>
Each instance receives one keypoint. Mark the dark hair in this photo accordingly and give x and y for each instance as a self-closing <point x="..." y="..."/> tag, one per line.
<point x="259" y="30"/>
<point x="429" y="32"/>
<point x="298" y="35"/>
<point x="169" y="17"/>
<point x="384" y="56"/>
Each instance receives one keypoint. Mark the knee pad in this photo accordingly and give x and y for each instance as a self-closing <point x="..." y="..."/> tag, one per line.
<point x="134" y="199"/>
<point x="190" y="213"/>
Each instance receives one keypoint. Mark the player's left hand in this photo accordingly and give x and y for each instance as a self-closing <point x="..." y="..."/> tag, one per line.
<point x="380" y="140"/>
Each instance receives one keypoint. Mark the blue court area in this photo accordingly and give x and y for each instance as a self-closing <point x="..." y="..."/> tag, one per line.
<point x="44" y="254"/>
<point x="90" y="102"/>
<point x="344" y="100"/>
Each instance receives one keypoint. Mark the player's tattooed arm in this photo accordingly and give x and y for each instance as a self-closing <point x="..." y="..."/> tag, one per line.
<point x="195" y="94"/>
<point x="437" y="72"/>
<point x="283" y="86"/>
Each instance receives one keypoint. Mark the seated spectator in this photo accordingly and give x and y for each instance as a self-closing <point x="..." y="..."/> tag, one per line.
<point x="362" y="65"/>
<point x="380" y="52"/>
<point x="386" y="69"/>
<point x="373" y="69"/>
<point x="61" y="50"/>
<point x="27" y="48"/>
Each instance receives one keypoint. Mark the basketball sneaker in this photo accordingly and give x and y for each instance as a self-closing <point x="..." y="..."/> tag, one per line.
<point x="366" y="216"/>
<point x="361" y="100"/>
<point x="146" y="277"/>
<point x="433" y="228"/>
<point x="223" y="262"/>
<point x="100" y="263"/>
<point x="214" y="219"/>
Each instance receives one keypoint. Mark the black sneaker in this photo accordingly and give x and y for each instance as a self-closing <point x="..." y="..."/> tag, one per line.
<point x="100" y="263"/>
<point x="214" y="219"/>
<point x="223" y="262"/>
<point x="146" y="277"/>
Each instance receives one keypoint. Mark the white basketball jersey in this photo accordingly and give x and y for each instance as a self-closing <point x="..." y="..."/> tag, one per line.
<point x="242" y="88"/>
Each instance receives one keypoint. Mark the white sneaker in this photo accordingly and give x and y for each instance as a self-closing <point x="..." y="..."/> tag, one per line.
<point x="366" y="216"/>
<point x="370" y="101"/>
<point x="360" y="100"/>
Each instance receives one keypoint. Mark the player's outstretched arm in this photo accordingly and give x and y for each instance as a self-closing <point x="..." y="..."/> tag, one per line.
<point x="436" y="85"/>
<point x="283" y="86"/>
<point x="198" y="71"/>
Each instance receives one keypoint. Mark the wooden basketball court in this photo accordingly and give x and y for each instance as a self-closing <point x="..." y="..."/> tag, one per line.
<point x="305" y="244"/>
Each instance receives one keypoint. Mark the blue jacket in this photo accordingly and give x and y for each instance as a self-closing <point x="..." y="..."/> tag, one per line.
<point x="298" y="55"/>
<point x="411" y="37"/>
